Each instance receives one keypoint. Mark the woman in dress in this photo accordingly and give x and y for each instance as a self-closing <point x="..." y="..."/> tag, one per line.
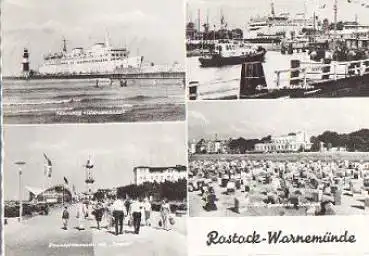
<point x="147" y="212"/>
<point x="81" y="211"/>
<point x="165" y="211"/>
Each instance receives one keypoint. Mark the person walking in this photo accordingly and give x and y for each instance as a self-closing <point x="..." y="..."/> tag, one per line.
<point x="81" y="211"/>
<point x="118" y="214"/>
<point x="147" y="210"/>
<point x="135" y="209"/>
<point x="98" y="212"/>
<point x="165" y="211"/>
<point x="65" y="217"/>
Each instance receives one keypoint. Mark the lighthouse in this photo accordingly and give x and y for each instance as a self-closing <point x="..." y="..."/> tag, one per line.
<point x="89" y="178"/>
<point x="25" y="63"/>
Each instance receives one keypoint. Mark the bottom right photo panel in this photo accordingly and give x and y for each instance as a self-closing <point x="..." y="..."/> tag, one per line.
<point x="278" y="158"/>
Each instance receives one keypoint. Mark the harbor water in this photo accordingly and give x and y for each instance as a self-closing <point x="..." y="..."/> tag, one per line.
<point x="56" y="101"/>
<point x="227" y="78"/>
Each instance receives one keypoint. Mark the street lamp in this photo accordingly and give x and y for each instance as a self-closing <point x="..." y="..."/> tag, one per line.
<point x="20" y="164"/>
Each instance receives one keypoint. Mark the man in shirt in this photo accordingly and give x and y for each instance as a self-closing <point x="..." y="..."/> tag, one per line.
<point x="136" y="209"/>
<point x="118" y="214"/>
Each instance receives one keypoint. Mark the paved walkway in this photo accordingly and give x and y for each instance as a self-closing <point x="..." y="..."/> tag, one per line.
<point x="43" y="235"/>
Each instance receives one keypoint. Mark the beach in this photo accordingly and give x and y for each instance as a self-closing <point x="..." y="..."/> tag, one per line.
<point x="69" y="101"/>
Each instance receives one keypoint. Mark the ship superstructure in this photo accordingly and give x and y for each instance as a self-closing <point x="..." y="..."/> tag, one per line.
<point x="279" y="24"/>
<point x="99" y="59"/>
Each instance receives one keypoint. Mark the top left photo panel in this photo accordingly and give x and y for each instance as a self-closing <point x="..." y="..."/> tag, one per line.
<point x="90" y="61"/>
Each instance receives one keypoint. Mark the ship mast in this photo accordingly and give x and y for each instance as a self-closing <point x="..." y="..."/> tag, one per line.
<point x="64" y="45"/>
<point x="305" y="14"/>
<point x="335" y="24"/>
<point x="272" y="9"/>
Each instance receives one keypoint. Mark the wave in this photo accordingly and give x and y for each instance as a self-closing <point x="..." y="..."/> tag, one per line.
<point x="46" y="102"/>
<point x="141" y="97"/>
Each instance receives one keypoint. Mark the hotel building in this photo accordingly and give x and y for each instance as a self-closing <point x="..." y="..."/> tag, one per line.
<point x="292" y="142"/>
<point x="144" y="174"/>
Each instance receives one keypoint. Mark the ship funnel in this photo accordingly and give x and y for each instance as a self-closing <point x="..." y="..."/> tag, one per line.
<point x="107" y="41"/>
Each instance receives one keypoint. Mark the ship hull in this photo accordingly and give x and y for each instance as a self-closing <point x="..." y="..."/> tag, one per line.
<point x="218" y="61"/>
<point x="109" y="66"/>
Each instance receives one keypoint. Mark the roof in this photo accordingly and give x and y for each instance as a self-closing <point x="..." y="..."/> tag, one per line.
<point x="34" y="190"/>
<point x="37" y="191"/>
<point x="162" y="169"/>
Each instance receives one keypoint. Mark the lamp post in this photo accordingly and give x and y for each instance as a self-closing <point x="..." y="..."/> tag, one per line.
<point x="20" y="164"/>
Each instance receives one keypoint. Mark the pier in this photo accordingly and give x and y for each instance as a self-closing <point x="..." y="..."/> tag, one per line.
<point x="312" y="79"/>
<point x="130" y="76"/>
<point x="301" y="80"/>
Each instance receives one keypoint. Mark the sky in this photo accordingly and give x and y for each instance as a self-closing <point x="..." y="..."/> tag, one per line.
<point x="144" y="26"/>
<point x="237" y="13"/>
<point x="259" y="118"/>
<point x="115" y="150"/>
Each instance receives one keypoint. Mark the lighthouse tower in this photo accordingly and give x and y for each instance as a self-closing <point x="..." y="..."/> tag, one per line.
<point x="89" y="178"/>
<point x="25" y="64"/>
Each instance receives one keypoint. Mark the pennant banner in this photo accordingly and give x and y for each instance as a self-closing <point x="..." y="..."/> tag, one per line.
<point x="48" y="166"/>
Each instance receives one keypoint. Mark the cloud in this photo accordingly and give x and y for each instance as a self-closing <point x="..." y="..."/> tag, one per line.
<point x="132" y="17"/>
<point x="48" y="27"/>
<point x="199" y="116"/>
<point x="19" y="3"/>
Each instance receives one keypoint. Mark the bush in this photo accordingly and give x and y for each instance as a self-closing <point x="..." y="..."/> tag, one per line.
<point x="173" y="191"/>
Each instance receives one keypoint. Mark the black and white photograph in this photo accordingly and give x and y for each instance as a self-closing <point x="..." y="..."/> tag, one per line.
<point x="85" y="61"/>
<point x="117" y="189"/>
<point x="294" y="158"/>
<point x="277" y="49"/>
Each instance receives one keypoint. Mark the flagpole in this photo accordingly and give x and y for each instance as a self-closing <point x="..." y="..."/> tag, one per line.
<point x="335" y="24"/>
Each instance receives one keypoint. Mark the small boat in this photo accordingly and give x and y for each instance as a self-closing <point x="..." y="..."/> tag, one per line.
<point x="232" y="53"/>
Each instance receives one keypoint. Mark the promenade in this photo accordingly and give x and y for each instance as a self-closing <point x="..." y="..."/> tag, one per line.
<point x="43" y="235"/>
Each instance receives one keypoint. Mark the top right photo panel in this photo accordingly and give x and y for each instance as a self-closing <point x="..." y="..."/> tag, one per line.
<point x="270" y="49"/>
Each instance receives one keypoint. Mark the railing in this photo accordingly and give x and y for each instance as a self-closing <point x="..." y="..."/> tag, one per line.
<point x="308" y="73"/>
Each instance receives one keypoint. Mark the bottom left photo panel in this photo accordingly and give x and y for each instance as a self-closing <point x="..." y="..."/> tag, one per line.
<point x="117" y="189"/>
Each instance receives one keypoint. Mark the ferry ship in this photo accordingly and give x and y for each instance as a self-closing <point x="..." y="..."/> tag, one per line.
<point x="101" y="58"/>
<point x="232" y="53"/>
<point x="274" y="27"/>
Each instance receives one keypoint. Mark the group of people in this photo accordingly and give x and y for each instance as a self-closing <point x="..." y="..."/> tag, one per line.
<point x="137" y="212"/>
<point x="279" y="180"/>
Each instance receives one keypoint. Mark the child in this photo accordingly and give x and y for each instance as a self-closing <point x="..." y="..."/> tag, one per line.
<point x="65" y="217"/>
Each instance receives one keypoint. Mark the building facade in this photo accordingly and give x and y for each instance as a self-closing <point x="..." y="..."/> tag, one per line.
<point x="144" y="174"/>
<point x="54" y="194"/>
<point x="292" y="142"/>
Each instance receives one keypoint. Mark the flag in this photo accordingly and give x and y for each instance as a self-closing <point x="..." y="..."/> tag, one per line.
<point x="48" y="166"/>
<point x="89" y="164"/>
<point x="66" y="181"/>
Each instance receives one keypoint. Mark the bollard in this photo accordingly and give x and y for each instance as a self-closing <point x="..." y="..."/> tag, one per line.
<point x="192" y="95"/>
<point x="252" y="76"/>
<point x="295" y="73"/>
<point x="326" y="69"/>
